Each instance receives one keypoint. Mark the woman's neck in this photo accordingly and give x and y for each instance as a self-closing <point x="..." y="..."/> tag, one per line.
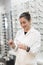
<point x="26" y="30"/>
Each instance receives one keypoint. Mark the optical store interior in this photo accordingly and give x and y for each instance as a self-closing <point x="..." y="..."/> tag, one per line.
<point x="10" y="11"/>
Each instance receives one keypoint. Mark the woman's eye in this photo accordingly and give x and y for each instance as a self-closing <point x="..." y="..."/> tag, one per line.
<point x="23" y="22"/>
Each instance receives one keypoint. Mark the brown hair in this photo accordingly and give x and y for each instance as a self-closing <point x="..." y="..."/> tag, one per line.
<point x="25" y="15"/>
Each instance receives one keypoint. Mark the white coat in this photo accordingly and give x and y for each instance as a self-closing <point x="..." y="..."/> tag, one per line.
<point x="31" y="39"/>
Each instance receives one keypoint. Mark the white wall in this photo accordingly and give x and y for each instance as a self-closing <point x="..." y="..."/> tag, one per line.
<point x="35" y="7"/>
<point x="1" y="12"/>
<point x="8" y="5"/>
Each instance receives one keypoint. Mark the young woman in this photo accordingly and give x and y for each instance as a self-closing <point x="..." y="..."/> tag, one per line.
<point x="27" y="42"/>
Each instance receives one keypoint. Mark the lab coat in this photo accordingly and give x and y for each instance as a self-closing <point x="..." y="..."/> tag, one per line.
<point x="32" y="39"/>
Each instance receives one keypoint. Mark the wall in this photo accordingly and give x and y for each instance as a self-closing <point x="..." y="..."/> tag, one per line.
<point x="35" y="7"/>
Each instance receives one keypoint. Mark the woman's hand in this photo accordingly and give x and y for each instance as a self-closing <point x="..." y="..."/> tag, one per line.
<point x="22" y="46"/>
<point x="11" y="43"/>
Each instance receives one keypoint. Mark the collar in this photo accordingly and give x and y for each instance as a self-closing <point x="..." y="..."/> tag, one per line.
<point x="30" y="31"/>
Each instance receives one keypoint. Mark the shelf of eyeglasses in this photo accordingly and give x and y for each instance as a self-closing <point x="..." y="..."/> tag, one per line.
<point x="38" y="2"/>
<point x="41" y="3"/>
<point x="4" y="40"/>
<point x="4" y="34"/>
<point x="41" y="39"/>
<point x="5" y="49"/>
<point x="3" y="31"/>
<point x="41" y="48"/>
<point x="37" y="20"/>
<point x="16" y="26"/>
<point x="3" y="24"/>
<point x="5" y="46"/>
<point x="33" y="9"/>
<point x="3" y="27"/>
<point x="10" y="30"/>
<point x="4" y="53"/>
<point x="40" y="8"/>
<point x="0" y="49"/>
<point x="15" y="30"/>
<point x="4" y="37"/>
<point x="16" y="22"/>
<point x="3" y="17"/>
<point x="36" y="27"/>
<point x="41" y="43"/>
<point x="3" y="21"/>
<point x="33" y="23"/>
<point x="41" y="31"/>
<point x="40" y="18"/>
<point x="37" y="23"/>
<point x="41" y="25"/>
<point x="15" y="13"/>
<point x="40" y="15"/>
<point x="41" y="36"/>
<point x="14" y="17"/>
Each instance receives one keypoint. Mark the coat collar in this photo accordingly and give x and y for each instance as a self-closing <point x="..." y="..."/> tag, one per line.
<point x="30" y="31"/>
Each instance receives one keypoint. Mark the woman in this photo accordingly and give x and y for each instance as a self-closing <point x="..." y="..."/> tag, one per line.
<point x="27" y="42"/>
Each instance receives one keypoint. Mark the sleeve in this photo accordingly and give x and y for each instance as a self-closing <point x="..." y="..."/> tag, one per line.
<point x="35" y="48"/>
<point x="16" y="38"/>
<point x="16" y="41"/>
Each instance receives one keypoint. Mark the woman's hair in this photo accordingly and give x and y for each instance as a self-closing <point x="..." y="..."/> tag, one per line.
<point x="26" y="15"/>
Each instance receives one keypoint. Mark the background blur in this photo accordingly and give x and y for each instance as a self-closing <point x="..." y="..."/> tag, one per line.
<point x="9" y="23"/>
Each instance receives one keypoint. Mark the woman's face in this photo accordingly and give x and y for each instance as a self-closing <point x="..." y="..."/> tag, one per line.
<point x="25" y="24"/>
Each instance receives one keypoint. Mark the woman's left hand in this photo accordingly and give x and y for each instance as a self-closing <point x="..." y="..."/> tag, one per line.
<point x="22" y="46"/>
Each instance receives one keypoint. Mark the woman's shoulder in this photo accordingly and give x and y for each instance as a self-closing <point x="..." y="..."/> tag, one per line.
<point x="36" y="32"/>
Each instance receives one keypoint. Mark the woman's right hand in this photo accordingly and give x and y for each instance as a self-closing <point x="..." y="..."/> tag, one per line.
<point x="11" y="43"/>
